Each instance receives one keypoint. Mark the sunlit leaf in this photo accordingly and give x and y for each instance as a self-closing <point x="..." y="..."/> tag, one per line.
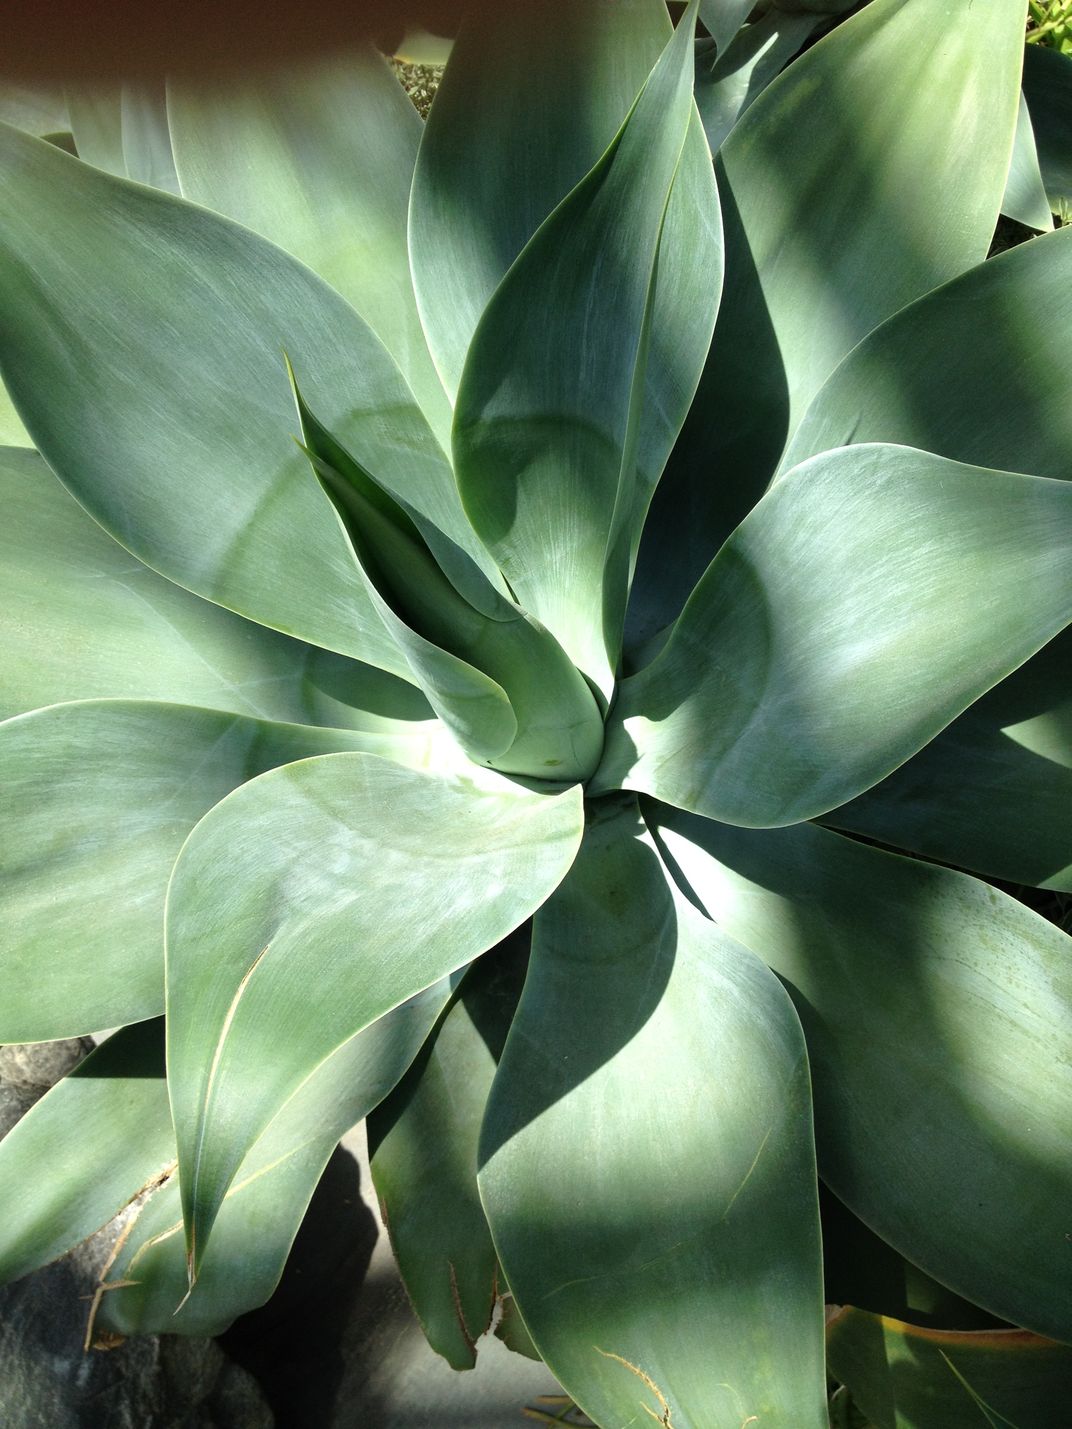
<point x="975" y="371"/>
<point x="838" y="211"/>
<point x="99" y="798"/>
<point x="993" y="791"/>
<point x="261" y="1213"/>
<point x="647" y="1157"/>
<point x="833" y="636"/>
<point x="546" y="427"/>
<point x="139" y="345"/>
<point x="311" y="902"/>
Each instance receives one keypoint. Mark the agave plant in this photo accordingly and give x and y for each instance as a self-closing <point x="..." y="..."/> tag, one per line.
<point x="531" y="631"/>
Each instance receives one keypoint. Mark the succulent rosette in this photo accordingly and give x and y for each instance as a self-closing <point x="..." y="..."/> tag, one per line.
<point x="518" y="629"/>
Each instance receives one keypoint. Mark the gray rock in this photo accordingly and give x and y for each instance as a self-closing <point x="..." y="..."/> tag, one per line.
<point x="47" y="1379"/>
<point x="27" y="1072"/>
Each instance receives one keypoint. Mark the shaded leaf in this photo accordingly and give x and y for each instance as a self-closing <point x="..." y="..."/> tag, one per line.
<point x="1048" y="89"/>
<point x="423" y="1154"/>
<point x="85" y="1150"/>
<point x="936" y="1012"/>
<point x="319" y="158"/>
<point x="647" y="1157"/>
<point x="1025" y="194"/>
<point x="905" y="1377"/>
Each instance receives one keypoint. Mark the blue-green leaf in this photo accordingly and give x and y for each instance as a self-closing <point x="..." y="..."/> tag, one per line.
<point x="647" y="1157"/>
<point x="546" y="433"/>
<point x="834" y="634"/>
<point x="936" y="1012"/>
<point x="312" y="901"/>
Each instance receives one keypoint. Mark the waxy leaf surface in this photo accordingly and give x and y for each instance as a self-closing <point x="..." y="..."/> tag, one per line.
<point x="836" y="633"/>
<point x="905" y="1377"/>
<point x="87" y="620"/>
<point x="423" y="1143"/>
<point x="264" y="1208"/>
<point x="319" y="157"/>
<point x="993" y="791"/>
<point x="935" y="1011"/>
<point x="977" y="370"/>
<point x="312" y="901"/>
<point x="99" y="797"/>
<point x="866" y="174"/>
<point x="647" y="1158"/>
<point x="85" y="1150"/>
<point x="143" y="337"/>
<point x="545" y="442"/>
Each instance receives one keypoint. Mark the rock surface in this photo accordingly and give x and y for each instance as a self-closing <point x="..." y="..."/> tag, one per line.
<point x="47" y="1380"/>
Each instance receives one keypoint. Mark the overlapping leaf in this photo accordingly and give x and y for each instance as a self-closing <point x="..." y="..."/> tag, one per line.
<point x="139" y="345"/>
<point x="319" y="157"/>
<point x="976" y="370"/>
<point x="423" y="1154"/>
<point x="935" y="1010"/>
<point x="546" y="434"/>
<point x="868" y="173"/>
<point x="85" y="1150"/>
<point x="145" y="1290"/>
<point x="834" y="635"/>
<point x="647" y="1157"/>
<point x="993" y="792"/>
<point x="99" y="797"/>
<point x="311" y="902"/>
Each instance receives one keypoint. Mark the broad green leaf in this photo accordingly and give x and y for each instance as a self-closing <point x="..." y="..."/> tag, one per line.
<point x="146" y="138"/>
<point x="905" y="1377"/>
<point x="975" y="371"/>
<point x="498" y="679"/>
<point x="1025" y="194"/>
<point x="729" y="80"/>
<point x="723" y="19"/>
<point x="97" y="125"/>
<point x="143" y="337"/>
<point x="993" y="791"/>
<point x="99" y="797"/>
<point x="936" y="1013"/>
<point x="88" y="620"/>
<point x="833" y="636"/>
<point x="488" y="137"/>
<point x="647" y="1161"/>
<point x="423" y="1154"/>
<point x="837" y="213"/>
<point x="264" y="1208"/>
<point x="1048" y="88"/>
<point x="85" y="1150"/>
<point x="546" y="427"/>
<point x="319" y="158"/>
<point x="312" y="901"/>
<point x="39" y="109"/>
